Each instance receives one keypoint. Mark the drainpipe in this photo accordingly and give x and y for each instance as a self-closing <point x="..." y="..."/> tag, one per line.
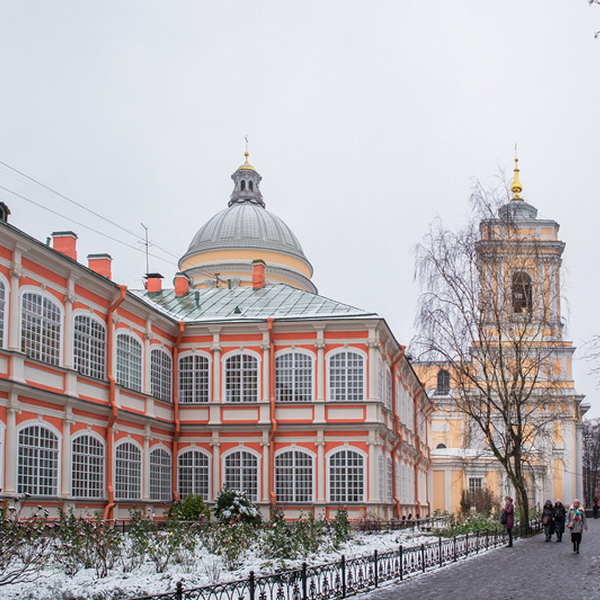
<point x="272" y="496"/>
<point x="108" y="510"/>
<point x="397" y="421"/>
<point x="176" y="410"/>
<point x="418" y="446"/>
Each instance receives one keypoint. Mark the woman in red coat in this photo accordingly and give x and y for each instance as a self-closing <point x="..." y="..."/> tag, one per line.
<point x="510" y="518"/>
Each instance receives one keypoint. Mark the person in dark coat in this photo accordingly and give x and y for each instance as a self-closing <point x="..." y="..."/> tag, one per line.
<point x="595" y="507"/>
<point x="509" y="507"/>
<point x="559" y="519"/>
<point x="547" y="520"/>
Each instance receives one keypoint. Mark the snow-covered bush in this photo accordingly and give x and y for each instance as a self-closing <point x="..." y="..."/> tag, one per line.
<point x="234" y="505"/>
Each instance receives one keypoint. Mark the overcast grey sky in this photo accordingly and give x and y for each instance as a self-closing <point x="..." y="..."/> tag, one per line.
<point x="365" y="119"/>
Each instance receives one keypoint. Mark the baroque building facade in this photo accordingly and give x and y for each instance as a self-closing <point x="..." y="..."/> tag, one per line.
<point x="520" y="257"/>
<point x="241" y="376"/>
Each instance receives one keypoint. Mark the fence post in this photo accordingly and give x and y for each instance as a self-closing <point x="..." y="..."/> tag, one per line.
<point x="440" y="551"/>
<point x="401" y="563"/>
<point x="478" y="541"/>
<point x="423" y="556"/>
<point x="343" y="576"/>
<point x="454" y="548"/>
<point x="376" y="568"/>
<point x="123" y="525"/>
<point x="304" y="587"/>
<point x="251" y="585"/>
<point x="179" y="590"/>
<point x="467" y="544"/>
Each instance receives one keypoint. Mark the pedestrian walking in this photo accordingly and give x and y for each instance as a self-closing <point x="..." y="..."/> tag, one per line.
<point x="576" y="523"/>
<point x="548" y="520"/>
<point x="595" y="507"/>
<point x="509" y="518"/>
<point x="560" y="513"/>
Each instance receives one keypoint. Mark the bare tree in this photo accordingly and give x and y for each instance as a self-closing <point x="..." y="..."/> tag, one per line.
<point x="591" y="459"/>
<point x="488" y="315"/>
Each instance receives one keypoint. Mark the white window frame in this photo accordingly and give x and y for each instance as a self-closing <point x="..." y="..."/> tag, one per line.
<point x="159" y="474"/>
<point x="302" y="377"/>
<point x="343" y="498"/>
<point x="89" y="466"/>
<point x="48" y="352"/>
<point x="295" y="475"/>
<point x="381" y="476"/>
<point x="192" y="391"/>
<point x="389" y="479"/>
<point x="4" y="310"/>
<point x="388" y="388"/>
<point x="198" y="472"/>
<point x="128" y="378"/>
<point x="128" y="471"/>
<point x="161" y="375"/>
<point x="94" y="349"/>
<point x="246" y="395"/>
<point x="347" y="394"/>
<point x="254" y="497"/>
<point x="35" y="474"/>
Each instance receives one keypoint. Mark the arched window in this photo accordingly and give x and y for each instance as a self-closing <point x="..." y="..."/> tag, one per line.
<point x="161" y="375"/>
<point x="521" y="292"/>
<point x="251" y="186"/>
<point x="346" y="477"/>
<point x="381" y="381"/>
<point x="404" y="484"/>
<point x="389" y="479"/>
<point x="2" y="312"/>
<point x="193" y="378"/>
<point x="241" y="378"/>
<point x="160" y="475"/>
<point x="388" y="388"/>
<point x="128" y="472"/>
<point x="89" y="346"/>
<point x="192" y="473"/>
<point x="37" y="462"/>
<point x="293" y="377"/>
<point x="381" y="474"/>
<point x="87" y="467"/>
<point x="443" y="382"/>
<point x="241" y="473"/>
<point x="294" y="476"/>
<point x="397" y="479"/>
<point x="129" y="362"/>
<point x="40" y="328"/>
<point x="346" y="377"/>
<point x="441" y="446"/>
<point x="243" y="185"/>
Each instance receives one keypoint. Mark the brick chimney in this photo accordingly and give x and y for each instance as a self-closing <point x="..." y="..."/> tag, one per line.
<point x="153" y="282"/>
<point x="182" y="284"/>
<point x="65" y="242"/>
<point x="258" y="274"/>
<point x="101" y="264"/>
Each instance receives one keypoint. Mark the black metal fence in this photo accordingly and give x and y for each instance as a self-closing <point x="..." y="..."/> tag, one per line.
<point x="334" y="581"/>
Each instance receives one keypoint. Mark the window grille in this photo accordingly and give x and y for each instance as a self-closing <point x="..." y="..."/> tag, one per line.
<point x="241" y="473"/>
<point x="192" y="469"/>
<point x="346" y="477"/>
<point x="160" y="475"/>
<point x="293" y="377"/>
<point x="241" y="378"/>
<point x="381" y="476"/>
<point x="87" y="467"/>
<point x="475" y="484"/>
<point x="380" y="381"/>
<point x="346" y="377"/>
<point x="397" y="479"/>
<point x="128" y="472"/>
<point x="193" y="378"/>
<point x="37" y="468"/>
<point x="89" y="347"/>
<point x="404" y="484"/>
<point x="388" y="389"/>
<point x="129" y="362"/>
<point x="294" y="477"/>
<point x="161" y="375"/>
<point x="443" y="382"/>
<point x="2" y="312"/>
<point x="389" y="480"/>
<point x="40" y="328"/>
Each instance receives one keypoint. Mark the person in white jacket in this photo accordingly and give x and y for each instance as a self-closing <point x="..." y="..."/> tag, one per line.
<point x="576" y="523"/>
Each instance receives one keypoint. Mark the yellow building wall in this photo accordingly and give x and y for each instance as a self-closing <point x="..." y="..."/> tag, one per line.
<point x="439" y="490"/>
<point x="558" y="479"/>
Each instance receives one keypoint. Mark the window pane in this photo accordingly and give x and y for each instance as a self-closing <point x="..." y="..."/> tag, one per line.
<point x="37" y="469"/>
<point x="87" y="467"/>
<point x="89" y="346"/>
<point x="40" y="328"/>
<point x="293" y="378"/>
<point x="193" y="476"/>
<point x="128" y="472"/>
<point x="129" y="362"/>
<point x="241" y="378"/>
<point x="241" y="473"/>
<point x="160" y="475"/>
<point x="193" y="378"/>
<point x="161" y="374"/>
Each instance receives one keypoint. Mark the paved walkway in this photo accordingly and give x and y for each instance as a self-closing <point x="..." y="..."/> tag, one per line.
<point x="531" y="570"/>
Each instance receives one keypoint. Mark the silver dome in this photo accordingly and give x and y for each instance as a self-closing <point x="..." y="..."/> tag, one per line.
<point x="245" y="225"/>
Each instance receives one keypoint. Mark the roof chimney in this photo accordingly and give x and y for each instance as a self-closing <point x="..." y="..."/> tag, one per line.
<point x="65" y="242"/>
<point x="258" y="274"/>
<point x="182" y="284"/>
<point x="4" y="212"/>
<point x="153" y="282"/>
<point x="101" y="264"/>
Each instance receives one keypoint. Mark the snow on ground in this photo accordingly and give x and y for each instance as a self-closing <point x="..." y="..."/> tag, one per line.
<point x="204" y="569"/>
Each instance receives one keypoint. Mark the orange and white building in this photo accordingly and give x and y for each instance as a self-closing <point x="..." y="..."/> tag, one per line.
<point x="241" y="375"/>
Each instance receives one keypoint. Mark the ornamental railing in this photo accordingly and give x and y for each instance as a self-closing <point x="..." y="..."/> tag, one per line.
<point x="337" y="580"/>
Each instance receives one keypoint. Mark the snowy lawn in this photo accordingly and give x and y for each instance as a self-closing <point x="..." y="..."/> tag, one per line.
<point x="196" y="569"/>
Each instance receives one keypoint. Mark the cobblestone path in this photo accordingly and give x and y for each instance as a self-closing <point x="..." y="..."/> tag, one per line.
<point x="532" y="570"/>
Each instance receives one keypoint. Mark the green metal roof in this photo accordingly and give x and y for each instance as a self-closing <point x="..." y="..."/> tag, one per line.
<point x="278" y="301"/>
